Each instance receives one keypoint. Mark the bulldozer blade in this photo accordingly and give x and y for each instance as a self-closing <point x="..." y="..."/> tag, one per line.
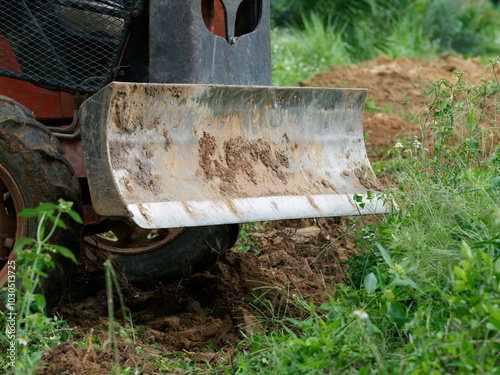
<point x="172" y="155"/>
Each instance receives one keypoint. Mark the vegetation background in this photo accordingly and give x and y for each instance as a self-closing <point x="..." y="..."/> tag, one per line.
<point x="423" y="290"/>
<point x="310" y="36"/>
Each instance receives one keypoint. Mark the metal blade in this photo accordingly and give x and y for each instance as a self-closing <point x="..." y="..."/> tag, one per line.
<point x="190" y="155"/>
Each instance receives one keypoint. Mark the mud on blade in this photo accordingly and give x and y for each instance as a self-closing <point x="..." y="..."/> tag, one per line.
<point x="192" y="155"/>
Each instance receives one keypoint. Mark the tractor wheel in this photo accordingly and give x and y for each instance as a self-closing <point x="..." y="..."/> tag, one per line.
<point x="146" y="257"/>
<point x="33" y="171"/>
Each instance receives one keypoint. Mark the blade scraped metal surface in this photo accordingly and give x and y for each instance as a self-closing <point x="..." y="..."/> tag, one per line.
<point x="190" y="155"/>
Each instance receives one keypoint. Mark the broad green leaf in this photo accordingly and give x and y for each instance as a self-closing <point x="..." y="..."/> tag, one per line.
<point x="493" y="324"/>
<point x="370" y="283"/>
<point x="459" y="286"/>
<point x="471" y="119"/>
<point x="75" y="216"/>
<point x="325" y="306"/>
<point x="460" y="273"/>
<point x="474" y="145"/>
<point x="65" y="336"/>
<point x="28" y="283"/>
<point x="380" y="277"/>
<point x="487" y="259"/>
<point x="398" y="313"/>
<point x="494" y="311"/>
<point x="47" y="207"/>
<point x="365" y="370"/>
<point x="404" y="282"/>
<point x="385" y="255"/>
<point x="28" y="212"/>
<point x="65" y="252"/>
<point x="20" y="243"/>
<point x="466" y="250"/>
<point x="495" y="181"/>
<point x="40" y="301"/>
<point x="39" y="272"/>
<point x="59" y="222"/>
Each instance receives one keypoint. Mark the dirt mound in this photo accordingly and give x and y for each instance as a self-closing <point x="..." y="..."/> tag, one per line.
<point x="397" y="91"/>
<point x="215" y="309"/>
<point x="211" y="310"/>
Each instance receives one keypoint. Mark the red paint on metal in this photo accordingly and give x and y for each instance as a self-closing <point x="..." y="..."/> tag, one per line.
<point x="67" y="104"/>
<point x="89" y="215"/>
<point x="44" y="103"/>
<point x="74" y="154"/>
<point x="214" y="17"/>
<point x="219" y="19"/>
<point x="8" y="60"/>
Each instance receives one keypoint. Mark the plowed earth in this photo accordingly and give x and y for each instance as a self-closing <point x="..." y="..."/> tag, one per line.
<point x="203" y="318"/>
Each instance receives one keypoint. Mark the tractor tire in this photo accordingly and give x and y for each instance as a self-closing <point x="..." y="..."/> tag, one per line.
<point x="146" y="257"/>
<point x="33" y="171"/>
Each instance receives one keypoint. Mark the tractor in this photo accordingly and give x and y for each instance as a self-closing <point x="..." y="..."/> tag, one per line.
<point x="158" y="120"/>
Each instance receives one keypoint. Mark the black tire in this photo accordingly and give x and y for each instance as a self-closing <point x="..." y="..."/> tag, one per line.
<point x="33" y="171"/>
<point x="190" y="250"/>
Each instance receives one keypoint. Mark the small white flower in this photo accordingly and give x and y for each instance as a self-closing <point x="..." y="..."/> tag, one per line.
<point x="399" y="145"/>
<point x="361" y="313"/>
<point x="22" y="341"/>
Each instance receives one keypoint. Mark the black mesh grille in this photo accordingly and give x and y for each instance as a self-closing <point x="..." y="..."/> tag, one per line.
<point x="71" y="45"/>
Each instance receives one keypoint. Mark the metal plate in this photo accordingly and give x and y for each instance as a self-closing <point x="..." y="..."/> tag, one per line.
<point x="190" y="155"/>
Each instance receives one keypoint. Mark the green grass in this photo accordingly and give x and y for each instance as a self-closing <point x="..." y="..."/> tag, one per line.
<point x="320" y="33"/>
<point x="300" y="54"/>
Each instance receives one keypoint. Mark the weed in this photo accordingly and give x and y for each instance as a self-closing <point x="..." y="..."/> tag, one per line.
<point x="370" y="106"/>
<point x="248" y="243"/>
<point x="34" y="331"/>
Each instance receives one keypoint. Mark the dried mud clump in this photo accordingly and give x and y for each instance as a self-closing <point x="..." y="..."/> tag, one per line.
<point x="367" y="178"/>
<point x="177" y="92"/>
<point x="125" y="117"/>
<point x="239" y="158"/>
<point x="145" y="178"/>
<point x="167" y="143"/>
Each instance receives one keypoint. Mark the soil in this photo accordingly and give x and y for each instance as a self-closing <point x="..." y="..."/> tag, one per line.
<point x="196" y="318"/>
<point x="399" y="87"/>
